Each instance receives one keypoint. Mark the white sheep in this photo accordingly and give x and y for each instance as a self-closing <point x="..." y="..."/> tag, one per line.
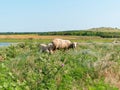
<point x="50" y="47"/>
<point x="44" y="48"/>
<point x="63" y="44"/>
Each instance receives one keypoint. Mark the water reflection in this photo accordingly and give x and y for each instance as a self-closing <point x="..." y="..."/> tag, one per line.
<point x="2" y="44"/>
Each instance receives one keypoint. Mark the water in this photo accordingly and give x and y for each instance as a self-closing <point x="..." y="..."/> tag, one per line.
<point x="3" y="44"/>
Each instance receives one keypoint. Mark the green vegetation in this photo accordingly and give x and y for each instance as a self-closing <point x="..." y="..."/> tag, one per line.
<point x="104" y="32"/>
<point x="91" y="66"/>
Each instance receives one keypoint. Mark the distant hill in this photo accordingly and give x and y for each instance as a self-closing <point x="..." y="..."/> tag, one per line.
<point x="105" y="29"/>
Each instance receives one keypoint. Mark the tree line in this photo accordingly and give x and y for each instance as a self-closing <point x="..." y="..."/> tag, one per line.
<point x="85" y="33"/>
<point x="110" y="33"/>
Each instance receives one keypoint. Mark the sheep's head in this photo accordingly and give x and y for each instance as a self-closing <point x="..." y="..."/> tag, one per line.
<point x="50" y="46"/>
<point x="73" y="45"/>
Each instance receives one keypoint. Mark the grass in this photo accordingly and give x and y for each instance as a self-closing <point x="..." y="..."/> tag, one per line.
<point x="91" y="66"/>
<point x="38" y="38"/>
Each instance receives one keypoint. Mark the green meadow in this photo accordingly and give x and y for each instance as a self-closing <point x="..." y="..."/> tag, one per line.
<point x="93" y="65"/>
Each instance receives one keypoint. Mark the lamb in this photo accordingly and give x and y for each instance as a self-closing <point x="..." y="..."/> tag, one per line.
<point x="48" y="48"/>
<point x="44" y="48"/>
<point x="63" y="44"/>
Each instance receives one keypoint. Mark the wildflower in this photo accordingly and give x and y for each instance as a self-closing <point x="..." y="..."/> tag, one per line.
<point x="63" y="65"/>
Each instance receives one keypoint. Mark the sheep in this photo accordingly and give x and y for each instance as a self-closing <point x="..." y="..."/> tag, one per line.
<point x="74" y="44"/>
<point x="44" y="48"/>
<point x="47" y="48"/>
<point x="116" y="41"/>
<point x="50" y="47"/>
<point x="63" y="44"/>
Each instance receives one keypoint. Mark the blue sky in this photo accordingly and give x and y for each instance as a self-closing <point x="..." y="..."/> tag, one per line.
<point x="57" y="15"/>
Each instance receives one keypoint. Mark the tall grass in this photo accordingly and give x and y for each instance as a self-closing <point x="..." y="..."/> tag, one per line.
<point x="88" y="67"/>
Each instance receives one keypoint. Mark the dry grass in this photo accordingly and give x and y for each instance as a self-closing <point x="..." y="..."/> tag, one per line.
<point x="45" y="37"/>
<point x="35" y="37"/>
<point x="73" y="38"/>
<point x="109" y="70"/>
